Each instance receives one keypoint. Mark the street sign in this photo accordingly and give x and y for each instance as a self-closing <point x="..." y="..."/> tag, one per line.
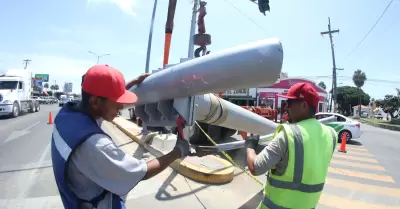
<point x="42" y="77"/>
<point x="238" y="92"/>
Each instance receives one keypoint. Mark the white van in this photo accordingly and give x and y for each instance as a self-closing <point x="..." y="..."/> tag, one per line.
<point x="63" y="100"/>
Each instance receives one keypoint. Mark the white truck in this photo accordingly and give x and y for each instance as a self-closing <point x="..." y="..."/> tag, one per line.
<point x="15" y="93"/>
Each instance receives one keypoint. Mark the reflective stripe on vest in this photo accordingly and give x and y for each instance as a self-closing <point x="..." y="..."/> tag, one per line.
<point x="63" y="149"/>
<point x="334" y="134"/>
<point x="296" y="184"/>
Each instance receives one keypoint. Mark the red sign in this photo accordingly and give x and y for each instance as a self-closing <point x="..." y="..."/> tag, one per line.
<point x="287" y="83"/>
<point x="267" y="94"/>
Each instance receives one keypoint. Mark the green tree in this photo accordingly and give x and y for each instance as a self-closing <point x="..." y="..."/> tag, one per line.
<point x="389" y="104"/>
<point x="359" y="79"/>
<point x="322" y="85"/>
<point x="56" y="87"/>
<point x="350" y="96"/>
<point x="46" y="85"/>
<point x="52" y="87"/>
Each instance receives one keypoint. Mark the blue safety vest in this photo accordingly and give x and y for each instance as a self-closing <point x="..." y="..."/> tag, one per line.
<point x="71" y="129"/>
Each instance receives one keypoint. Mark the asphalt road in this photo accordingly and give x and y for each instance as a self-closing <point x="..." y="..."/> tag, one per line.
<point x="367" y="180"/>
<point x="25" y="162"/>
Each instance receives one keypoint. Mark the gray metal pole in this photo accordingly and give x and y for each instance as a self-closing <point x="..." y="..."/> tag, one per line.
<point x="215" y="72"/>
<point x="150" y="37"/>
<point x="192" y="29"/>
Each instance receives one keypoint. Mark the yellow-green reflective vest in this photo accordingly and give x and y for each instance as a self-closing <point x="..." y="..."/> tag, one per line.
<point x="310" y="148"/>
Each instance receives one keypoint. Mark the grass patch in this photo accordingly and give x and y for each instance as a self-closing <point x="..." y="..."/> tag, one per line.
<point x="375" y="120"/>
<point x="379" y="122"/>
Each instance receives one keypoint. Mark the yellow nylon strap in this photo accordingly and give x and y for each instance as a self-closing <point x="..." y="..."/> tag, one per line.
<point x="228" y="157"/>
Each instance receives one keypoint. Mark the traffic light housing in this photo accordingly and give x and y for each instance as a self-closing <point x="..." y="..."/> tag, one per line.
<point x="263" y="6"/>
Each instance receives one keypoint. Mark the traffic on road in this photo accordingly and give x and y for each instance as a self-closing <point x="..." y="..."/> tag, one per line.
<point x="367" y="176"/>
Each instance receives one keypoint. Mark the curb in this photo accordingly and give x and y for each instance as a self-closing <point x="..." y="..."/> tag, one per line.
<point x="186" y="167"/>
<point x="379" y="125"/>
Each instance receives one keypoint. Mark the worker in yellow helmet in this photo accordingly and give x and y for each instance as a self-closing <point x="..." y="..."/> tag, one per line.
<point x="298" y="157"/>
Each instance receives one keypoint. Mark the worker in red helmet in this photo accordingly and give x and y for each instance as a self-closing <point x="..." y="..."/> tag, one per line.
<point x="298" y="156"/>
<point x="90" y="170"/>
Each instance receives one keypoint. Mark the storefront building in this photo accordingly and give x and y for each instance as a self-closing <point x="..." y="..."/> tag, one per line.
<point x="241" y="97"/>
<point x="268" y="95"/>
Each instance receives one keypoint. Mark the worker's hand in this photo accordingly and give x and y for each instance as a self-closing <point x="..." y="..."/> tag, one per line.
<point x="252" y="141"/>
<point x="141" y="78"/>
<point x="183" y="146"/>
<point x="137" y="80"/>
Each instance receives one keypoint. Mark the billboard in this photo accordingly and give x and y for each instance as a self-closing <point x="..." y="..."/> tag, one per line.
<point x="38" y="83"/>
<point x="42" y="77"/>
<point x="68" y="87"/>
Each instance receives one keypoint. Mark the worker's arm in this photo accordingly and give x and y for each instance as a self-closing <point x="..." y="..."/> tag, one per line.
<point x="268" y="158"/>
<point x="137" y="80"/>
<point x="100" y="160"/>
<point x="155" y="166"/>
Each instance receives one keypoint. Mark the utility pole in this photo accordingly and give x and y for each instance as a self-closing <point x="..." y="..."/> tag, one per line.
<point x="26" y="62"/>
<point x="193" y="28"/>
<point x="147" y="69"/>
<point x="334" y="79"/>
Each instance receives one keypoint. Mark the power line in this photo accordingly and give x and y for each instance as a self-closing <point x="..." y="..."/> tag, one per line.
<point x="244" y="14"/>
<point x="366" y="35"/>
<point x="393" y="21"/>
<point x="374" y="80"/>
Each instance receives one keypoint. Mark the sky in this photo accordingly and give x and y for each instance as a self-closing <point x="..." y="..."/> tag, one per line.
<point x="57" y="35"/>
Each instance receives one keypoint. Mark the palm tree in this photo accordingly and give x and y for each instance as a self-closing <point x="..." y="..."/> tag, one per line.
<point x="359" y="79"/>
<point x="56" y="87"/>
<point x="52" y="87"/>
<point x="46" y="86"/>
<point x="322" y="85"/>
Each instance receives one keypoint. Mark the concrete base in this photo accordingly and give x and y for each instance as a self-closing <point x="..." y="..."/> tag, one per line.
<point x="164" y="142"/>
<point x="207" y="169"/>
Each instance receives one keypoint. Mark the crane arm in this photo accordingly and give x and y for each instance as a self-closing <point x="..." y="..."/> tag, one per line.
<point x="169" y="26"/>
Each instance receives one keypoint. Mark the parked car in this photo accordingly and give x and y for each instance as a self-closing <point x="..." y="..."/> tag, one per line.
<point x="41" y="100"/>
<point x="378" y="116"/>
<point x="63" y="101"/>
<point x="344" y="125"/>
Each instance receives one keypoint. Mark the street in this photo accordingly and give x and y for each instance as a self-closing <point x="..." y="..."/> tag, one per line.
<point x="364" y="177"/>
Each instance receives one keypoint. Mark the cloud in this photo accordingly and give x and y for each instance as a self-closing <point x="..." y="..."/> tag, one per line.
<point x="125" y="5"/>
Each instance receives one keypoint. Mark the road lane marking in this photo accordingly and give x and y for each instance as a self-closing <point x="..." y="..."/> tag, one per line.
<point x="372" y="189"/>
<point x="32" y="175"/>
<point x="361" y="159"/>
<point x="357" y="165"/>
<point x="340" y="202"/>
<point x="24" y="167"/>
<point x="365" y="154"/>
<point x="370" y="176"/>
<point x="19" y="133"/>
<point x="359" y="149"/>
